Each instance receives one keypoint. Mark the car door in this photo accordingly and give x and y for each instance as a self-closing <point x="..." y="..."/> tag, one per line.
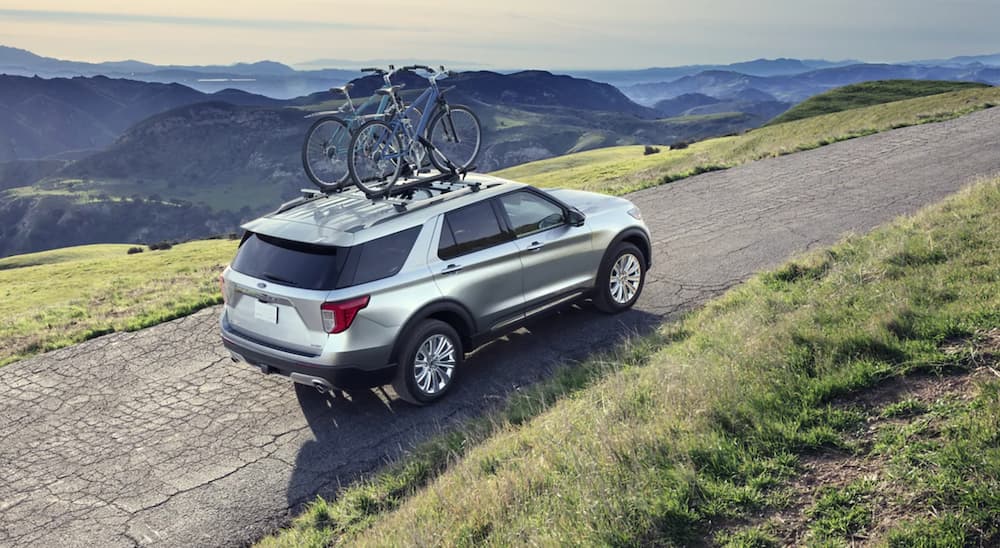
<point x="555" y="255"/>
<point x="477" y="264"/>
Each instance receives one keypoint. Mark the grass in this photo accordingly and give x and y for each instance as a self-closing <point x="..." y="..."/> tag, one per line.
<point x="949" y="459"/>
<point x="56" y="298"/>
<point x="230" y="196"/>
<point x="840" y="513"/>
<point x="871" y="93"/>
<point x="618" y="170"/>
<point x="705" y="422"/>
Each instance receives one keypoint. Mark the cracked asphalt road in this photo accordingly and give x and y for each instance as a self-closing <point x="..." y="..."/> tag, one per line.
<point x="156" y="438"/>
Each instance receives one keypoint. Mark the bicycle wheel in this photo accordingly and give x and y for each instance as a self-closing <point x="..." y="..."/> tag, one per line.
<point x="375" y="158"/>
<point x="324" y="153"/>
<point x="457" y="137"/>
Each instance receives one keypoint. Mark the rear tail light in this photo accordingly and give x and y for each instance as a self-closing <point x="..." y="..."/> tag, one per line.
<point x="338" y="316"/>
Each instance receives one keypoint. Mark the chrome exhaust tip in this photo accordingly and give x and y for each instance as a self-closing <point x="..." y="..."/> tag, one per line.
<point x="323" y="386"/>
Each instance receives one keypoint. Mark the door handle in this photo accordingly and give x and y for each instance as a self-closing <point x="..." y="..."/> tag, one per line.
<point x="535" y="246"/>
<point x="451" y="269"/>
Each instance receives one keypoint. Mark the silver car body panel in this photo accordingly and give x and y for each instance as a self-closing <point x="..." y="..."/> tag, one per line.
<point x="496" y="287"/>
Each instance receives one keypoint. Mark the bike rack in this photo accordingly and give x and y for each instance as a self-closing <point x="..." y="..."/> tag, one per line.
<point x="401" y="195"/>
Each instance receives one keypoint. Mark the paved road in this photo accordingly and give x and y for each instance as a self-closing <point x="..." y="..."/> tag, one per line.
<point x="155" y="438"/>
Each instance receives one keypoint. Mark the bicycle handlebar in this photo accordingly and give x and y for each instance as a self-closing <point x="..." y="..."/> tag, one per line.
<point x="373" y="69"/>
<point x="415" y="67"/>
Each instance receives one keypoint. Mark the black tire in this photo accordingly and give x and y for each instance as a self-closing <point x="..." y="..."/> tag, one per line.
<point x="461" y="154"/>
<point x="374" y="158"/>
<point x="408" y="380"/>
<point x="324" y="153"/>
<point x="608" y="298"/>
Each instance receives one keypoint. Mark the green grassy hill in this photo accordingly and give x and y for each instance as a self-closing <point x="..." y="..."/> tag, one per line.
<point x="623" y="169"/>
<point x="870" y="93"/>
<point x="57" y="298"/>
<point x="845" y="397"/>
<point x="613" y="170"/>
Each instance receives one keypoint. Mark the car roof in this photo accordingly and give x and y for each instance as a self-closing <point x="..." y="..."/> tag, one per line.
<point x="349" y="218"/>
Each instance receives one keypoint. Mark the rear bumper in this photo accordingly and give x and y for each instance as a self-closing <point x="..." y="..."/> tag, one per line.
<point x="340" y="376"/>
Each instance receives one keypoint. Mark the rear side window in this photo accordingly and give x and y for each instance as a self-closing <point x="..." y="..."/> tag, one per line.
<point x="469" y="229"/>
<point x="290" y="263"/>
<point x="383" y="257"/>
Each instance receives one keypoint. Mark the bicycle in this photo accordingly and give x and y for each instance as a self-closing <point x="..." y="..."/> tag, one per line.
<point x="450" y="136"/>
<point x="324" y="151"/>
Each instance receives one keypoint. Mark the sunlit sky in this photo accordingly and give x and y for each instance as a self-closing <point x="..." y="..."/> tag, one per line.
<point x="501" y="33"/>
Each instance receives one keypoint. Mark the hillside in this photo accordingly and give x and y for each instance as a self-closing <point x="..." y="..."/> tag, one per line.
<point x="243" y="160"/>
<point x="802" y="407"/>
<point x="622" y="169"/>
<point x="17" y="173"/>
<point x="794" y="88"/>
<point x="870" y="93"/>
<point x="47" y="304"/>
<point x="756" y="67"/>
<point x="231" y="157"/>
<point x="199" y="168"/>
<point x="40" y="117"/>
<point x="65" y="216"/>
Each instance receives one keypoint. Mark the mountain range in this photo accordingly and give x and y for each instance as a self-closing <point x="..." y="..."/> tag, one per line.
<point x="76" y="116"/>
<point x="263" y="77"/>
<point x="793" y="88"/>
<point x="88" y="157"/>
<point x="84" y="150"/>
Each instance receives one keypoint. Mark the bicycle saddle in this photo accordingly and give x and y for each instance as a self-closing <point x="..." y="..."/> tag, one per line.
<point x="343" y="89"/>
<point x="390" y="89"/>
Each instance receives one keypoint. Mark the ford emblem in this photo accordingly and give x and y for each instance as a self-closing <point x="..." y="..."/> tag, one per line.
<point x="261" y="285"/>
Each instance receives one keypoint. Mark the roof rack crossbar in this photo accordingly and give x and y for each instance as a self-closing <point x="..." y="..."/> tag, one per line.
<point x="447" y="184"/>
<point x="455" y="176"/>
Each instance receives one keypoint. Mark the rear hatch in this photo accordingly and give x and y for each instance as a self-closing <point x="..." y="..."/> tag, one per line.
<point x="275" y="288"/>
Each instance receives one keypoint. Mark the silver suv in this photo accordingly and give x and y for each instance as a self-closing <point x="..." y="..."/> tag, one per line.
<point x="341" y="290"/>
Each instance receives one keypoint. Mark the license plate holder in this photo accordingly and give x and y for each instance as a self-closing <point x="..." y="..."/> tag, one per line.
<point x="265" y="312"/>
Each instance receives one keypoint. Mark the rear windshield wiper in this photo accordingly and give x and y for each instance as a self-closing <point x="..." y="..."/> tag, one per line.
<point x="279" y="279"/>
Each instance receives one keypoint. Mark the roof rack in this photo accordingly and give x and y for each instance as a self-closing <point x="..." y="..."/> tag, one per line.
<point x="403" y="196"/>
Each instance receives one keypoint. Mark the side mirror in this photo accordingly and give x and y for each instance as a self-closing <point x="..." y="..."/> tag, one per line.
<point x="575" y="217"/>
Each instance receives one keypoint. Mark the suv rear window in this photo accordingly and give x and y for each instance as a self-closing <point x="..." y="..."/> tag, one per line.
<point x="290" y="263"/>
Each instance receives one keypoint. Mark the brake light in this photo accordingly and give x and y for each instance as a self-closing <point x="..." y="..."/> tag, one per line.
<point x="338" y="316"/>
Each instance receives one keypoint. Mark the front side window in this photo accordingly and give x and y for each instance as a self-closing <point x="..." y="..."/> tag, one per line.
<point x="530" y="213"/>
<point x="469" y="229"/>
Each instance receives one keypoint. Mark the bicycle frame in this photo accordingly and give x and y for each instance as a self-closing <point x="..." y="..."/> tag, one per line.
<point x="427" y="99"/>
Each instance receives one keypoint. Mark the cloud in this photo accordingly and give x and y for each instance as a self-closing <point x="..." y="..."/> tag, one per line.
<point x="104" y="17"/>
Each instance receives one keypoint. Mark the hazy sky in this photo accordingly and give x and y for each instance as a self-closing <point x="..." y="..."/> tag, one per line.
<point x="501" y="33"/>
